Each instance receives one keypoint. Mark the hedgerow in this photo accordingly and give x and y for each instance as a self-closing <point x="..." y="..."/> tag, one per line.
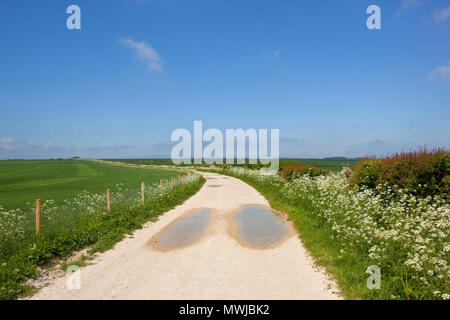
<point x="423" y="173"/>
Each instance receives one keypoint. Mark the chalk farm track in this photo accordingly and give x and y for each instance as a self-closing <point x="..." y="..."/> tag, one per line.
<point x="217" y="266"/>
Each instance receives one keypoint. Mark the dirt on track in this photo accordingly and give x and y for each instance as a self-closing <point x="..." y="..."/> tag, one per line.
<point x="217" y="266"/>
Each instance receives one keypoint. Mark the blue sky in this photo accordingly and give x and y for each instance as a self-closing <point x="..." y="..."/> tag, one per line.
<point x="139" y="69"/>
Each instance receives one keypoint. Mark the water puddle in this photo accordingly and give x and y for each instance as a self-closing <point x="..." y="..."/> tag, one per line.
<point x="215" y="186"/>
<point x="259" y="226"/>
<point x="185" y="231"/>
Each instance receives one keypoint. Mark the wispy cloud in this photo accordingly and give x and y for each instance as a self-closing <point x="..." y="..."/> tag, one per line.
<point x="441" y="72"/>
<point x="145" y="52"/>
<point x="46" y="146"/>
<point x="7" y="143"/>
<point x="276" y="54"/>
<point x="409" y="4"/>
<point x="441" y="15"/>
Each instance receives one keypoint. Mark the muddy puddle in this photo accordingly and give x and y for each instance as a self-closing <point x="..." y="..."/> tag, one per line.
<point x="258" y="226"/>
<point x="185" y="231"/>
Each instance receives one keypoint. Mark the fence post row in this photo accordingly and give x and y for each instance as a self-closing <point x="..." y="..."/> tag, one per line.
<point x="38" y="216"/>
<point x="108" y="200"/>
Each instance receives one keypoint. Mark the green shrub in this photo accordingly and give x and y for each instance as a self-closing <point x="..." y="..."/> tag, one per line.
<point x="445" y="187"/>
<point x="292" y="170"/>
<point x="366" y="173"/>
<point x="423" y="172"/>
<point x="253" y="166"/>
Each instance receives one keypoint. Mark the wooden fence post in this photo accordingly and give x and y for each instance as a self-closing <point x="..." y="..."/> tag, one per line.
<point x="38" y="216"/>
<point x="142" y="192"/>
<point x="160" y="186"/>
<point x="108" y="200"/>
<point x="171" y="182"/>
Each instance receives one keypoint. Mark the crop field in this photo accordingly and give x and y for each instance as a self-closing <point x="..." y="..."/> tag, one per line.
<point x="23" y="181"/>
<point x="74" y="211"/>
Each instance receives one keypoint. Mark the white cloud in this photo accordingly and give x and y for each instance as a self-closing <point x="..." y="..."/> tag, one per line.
<point x="7" y="143"/>
<point x="46" y="146"/>
<point x="7" y="140"/>
<point x="145" y="52"/>
<point x="441" y="72"/>
<point x="441" y="14"/>
<point x="276" y="53"/>
<point x="409" y="4"/>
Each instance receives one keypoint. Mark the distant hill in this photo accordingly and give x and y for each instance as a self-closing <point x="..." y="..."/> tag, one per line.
<point x="335" y="158"/>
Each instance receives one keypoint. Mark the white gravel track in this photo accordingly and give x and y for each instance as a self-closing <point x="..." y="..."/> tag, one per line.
<point x="217" y="266"/>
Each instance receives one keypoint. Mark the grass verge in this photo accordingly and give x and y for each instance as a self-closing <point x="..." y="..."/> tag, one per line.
<point x="314" y="238"/>
<point x="352" y="232"/>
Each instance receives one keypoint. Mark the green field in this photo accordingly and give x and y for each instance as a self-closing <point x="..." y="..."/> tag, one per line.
<point x="332" y="164"/>
<point x="23" y="181"/>
<point x="74" y="213"/>
<point x="157" y="162"/>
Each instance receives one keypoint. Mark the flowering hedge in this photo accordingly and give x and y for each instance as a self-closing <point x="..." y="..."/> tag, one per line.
<point x="406" y="236"/>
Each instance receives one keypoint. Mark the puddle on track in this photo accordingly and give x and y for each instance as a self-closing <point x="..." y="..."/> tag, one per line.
<point x="215" y="185"/>
<point x="258" y="226"/>
<point x="185" y="231"/>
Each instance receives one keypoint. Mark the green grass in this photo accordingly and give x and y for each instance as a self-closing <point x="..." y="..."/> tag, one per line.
<point x="156" y="162"/>
<point x="97" y="229"/>
<point x="24" y="181"/>
<point x="74" y="211"/>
